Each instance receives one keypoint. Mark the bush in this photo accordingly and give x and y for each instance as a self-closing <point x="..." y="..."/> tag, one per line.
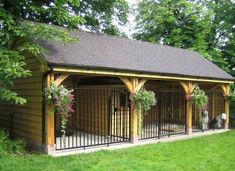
<point x="232" y="106"/>
<point x="8" y="146"/>
<point x="232" y="114"/>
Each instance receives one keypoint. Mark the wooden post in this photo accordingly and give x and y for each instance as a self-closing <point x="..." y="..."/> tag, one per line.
<point x="189" y="117"/>
<point x="188" y="89"/>
<point x="213" y="104"/>
<point x="226" y="125"/>
<point x="134" y="124"/>
<point x="50" y="128"/>
<point x="133" y="85"/>
<point x="50" y="116"/>
<point x="226" y="89"/>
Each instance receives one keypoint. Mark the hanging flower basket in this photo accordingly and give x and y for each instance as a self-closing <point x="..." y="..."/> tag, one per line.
<point x="144" y="99"/>
<point x="200" y="98"/>
<point x="63" y="100"/>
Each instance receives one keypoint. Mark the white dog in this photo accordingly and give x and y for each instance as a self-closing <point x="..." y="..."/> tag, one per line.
<point x="204" y="119"/>
<point x="218" y="121"/>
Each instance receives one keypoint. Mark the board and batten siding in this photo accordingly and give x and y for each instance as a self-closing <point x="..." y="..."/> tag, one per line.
<point x="26" y="120"/>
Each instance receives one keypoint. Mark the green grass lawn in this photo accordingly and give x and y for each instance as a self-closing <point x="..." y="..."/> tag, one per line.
<point x="214" y="152"/>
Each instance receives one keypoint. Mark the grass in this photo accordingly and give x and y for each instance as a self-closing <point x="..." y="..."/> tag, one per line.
<point x="214" y="152"/>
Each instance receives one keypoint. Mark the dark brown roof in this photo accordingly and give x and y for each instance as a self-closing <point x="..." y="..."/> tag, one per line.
<point x="109" y="52"/>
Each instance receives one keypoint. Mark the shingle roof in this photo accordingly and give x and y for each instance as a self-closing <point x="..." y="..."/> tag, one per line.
<point x="109" y="52"/>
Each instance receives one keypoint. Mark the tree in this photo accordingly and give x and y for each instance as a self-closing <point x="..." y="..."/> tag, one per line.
<point x="183" y="23"/>
<point x="104" y="15"/>
<point x="17" y="36"/>
<point x="222" y="36"/>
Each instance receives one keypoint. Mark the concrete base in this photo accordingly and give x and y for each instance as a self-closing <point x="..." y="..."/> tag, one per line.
<point x="50" y="149"/>
<point x="142" y="142"/>
<point x="134" y="139"/>
<point x="189" y="131"/>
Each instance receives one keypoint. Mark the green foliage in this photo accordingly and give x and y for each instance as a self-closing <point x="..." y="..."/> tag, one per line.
<point x="232" y="106"/>
<point x="144" y="99"/>
<point x="8" y="146"/>
<point x="199" y="98"/>
<point x="104" y="15"/>
<point x="61" y="12"/>
<point x="203" y="26"/>
<point x="232" y="92"/>
<point x="17" y="36"/>
<point x="222" y="34"/>
<point x="11" y="67"/>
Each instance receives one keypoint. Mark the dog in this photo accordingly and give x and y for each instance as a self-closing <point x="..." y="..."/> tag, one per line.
<point x="218" y="121"/>
<point x="204" y="119"/>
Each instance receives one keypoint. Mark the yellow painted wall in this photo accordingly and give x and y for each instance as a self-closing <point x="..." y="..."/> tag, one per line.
<point x="92" y="111"/>
<point x="26" y="121"/>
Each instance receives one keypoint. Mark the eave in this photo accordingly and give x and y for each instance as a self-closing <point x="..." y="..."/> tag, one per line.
<point x="88" y="71"/>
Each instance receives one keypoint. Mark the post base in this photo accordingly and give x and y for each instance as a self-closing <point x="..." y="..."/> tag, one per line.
<point x="134" y="139"/>
<point x="49" y="149"/>
<point x="189" y="131"/>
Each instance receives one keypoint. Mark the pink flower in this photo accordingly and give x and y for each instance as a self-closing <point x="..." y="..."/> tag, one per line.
<point x="71" y="98"/>
<point x="62" y="111"/>
<point x="69" y="107"/>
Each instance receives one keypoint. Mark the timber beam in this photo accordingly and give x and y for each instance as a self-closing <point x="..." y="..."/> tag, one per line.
<point x="188" y="88"/>
<point x="50" y="128"/>
<point x="133" y="85"/>
<point x="134" y="75"/>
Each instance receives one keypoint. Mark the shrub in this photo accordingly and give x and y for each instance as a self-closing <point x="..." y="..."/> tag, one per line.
<point x="232" y="113"/>
<point x="8" y="146"/>
<point x="232" y="106"/>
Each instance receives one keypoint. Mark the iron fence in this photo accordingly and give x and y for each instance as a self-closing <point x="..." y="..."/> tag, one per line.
<point x="102" y="117"/>
<point x="167" y="117"/>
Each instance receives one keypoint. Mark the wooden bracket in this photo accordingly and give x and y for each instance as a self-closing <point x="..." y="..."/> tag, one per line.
<point x="133" y="84"/>
<point x="140" y="84"/>
<point x="127" y="82"/>
<point x="188" y="86"/>
<point x="225" y="88"/>
<point x="60" y="79"/>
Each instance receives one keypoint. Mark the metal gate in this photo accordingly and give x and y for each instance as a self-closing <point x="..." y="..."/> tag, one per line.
<point x="102" y="117"/>
<point x="215" y="108"/>
<point x="166" y="118"/>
